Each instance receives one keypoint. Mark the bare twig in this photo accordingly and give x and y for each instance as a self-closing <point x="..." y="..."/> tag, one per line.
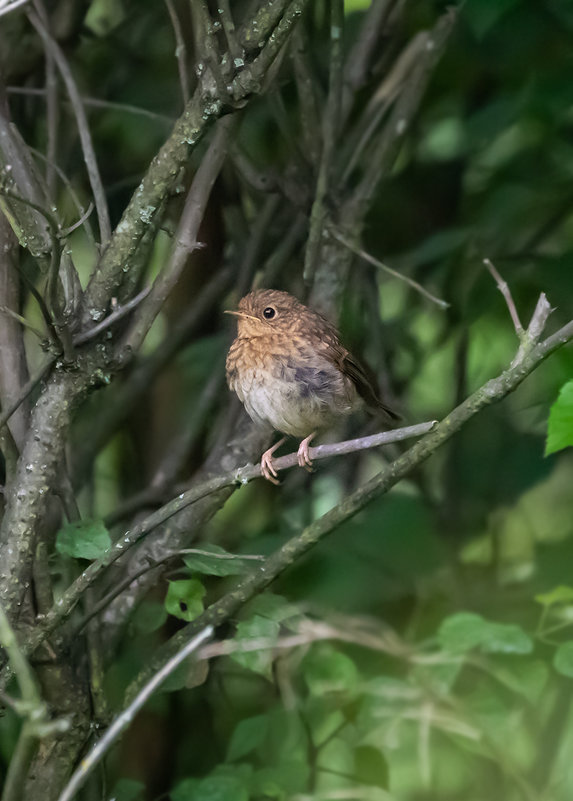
<point x="113" y="318"/>
<point x="185" y="240"/>
<point x="371" y="260"/>
<point x="505" y="291"/>
<point x="29" y="387"/>
<point x="330" y="125"/>
<point x="96" y="102"/>
<point x="235" y="49"/>
<point x="22" y="320"/>
<point x="52" y="108"/>
<point x="124" y="719"/>
<point x="83" y="128"/>
<point x="11" y="5"/>
<point x="180" y="51"/>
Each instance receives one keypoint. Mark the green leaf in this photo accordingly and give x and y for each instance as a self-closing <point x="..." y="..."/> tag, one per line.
<point x="257" y="628"/>
<point x="483" y="14"/>
<point x="185" y="599"/>
<point x="371" y="767"/>
<point x="247" y="736"/>
<point x="465" y="630"/>
<point x="221" y="788"/>
<point x="127" y="790"/>
<point x="328" y="671"/>
<point x="507" y="638"/>
<point x="560" y="427"/>
<point x="462" y="632"/>
<point x="186" y="790"/>
<point x="559" y="595"/>
<point x="86" y="539"/>
<point x="148" y="617"/>
<point x="563" y="659"/>
<point x="230" y="565"/>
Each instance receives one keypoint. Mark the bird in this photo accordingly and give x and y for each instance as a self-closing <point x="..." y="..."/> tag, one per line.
<point x="290" y="370"/>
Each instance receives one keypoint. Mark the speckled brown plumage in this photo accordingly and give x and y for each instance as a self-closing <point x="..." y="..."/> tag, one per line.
<point x="290" y="370"/>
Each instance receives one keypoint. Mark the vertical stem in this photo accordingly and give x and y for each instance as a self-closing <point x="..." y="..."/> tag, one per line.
<point x="329" y="137"/>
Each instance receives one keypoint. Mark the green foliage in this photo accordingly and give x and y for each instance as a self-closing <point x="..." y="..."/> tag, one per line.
<point x="257" y="629"/>
<point x="87" y="539"/>
<point x="184" y="599"/>
<point x="560" y="428"/>
<point x="563" y="659"/>
<point x="128" y="790"/>
<point x="464" y="631"/>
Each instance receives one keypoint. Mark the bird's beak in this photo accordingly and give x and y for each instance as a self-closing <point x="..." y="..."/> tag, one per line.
<point x="240" y="314"/>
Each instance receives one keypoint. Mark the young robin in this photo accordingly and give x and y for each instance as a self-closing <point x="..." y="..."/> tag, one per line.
<point x="291" y="372"/>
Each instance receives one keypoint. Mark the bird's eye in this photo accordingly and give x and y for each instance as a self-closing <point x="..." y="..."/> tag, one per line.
<point x="269" y="313"/>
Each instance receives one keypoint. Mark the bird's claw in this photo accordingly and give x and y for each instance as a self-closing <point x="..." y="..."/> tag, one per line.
<point x="303" y="454"/>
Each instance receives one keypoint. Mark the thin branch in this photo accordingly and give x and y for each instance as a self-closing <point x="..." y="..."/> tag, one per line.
<point x="113" y="318"/>
<point x="505" y="291"/>
<point x="81" y="120"/>
<point x="123" y="720"/>
<point x="11" y="5"/>
<point x="27" y="389"/>
<point x="381" y="266"/>
<point x="22" y="320"/>
<point x="180" y="51"/>
<point x="52" y="108"/>
<point x="185" y="240"/>
<point x="96" y="102"/>
<point x="330" y="130"/>
<point x="235" y="49"/>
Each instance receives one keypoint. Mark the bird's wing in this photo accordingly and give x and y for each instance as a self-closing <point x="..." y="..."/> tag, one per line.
<point x="365" y="384"/>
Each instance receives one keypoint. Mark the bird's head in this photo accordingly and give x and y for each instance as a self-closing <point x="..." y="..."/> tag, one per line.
<point x="268" y="310"/>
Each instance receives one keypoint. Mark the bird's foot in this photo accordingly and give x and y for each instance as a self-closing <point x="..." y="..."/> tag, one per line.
<point x="303" y="454"/>
<point x="267" y="466"/>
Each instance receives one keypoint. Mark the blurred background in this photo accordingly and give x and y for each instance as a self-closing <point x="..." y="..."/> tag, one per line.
<point x="436" y="653"/>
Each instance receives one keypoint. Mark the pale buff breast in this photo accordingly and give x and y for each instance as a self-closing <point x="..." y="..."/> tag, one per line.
<point x="295" y="394"/>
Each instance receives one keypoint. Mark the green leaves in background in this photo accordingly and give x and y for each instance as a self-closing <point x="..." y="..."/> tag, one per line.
<point x="563" y="659"/>
<point x="560" y="428"/>
<point x="86" y="539"/>
<point x="211" y="788"/>
<point x="221" y="563"/>
<point x="248" y="735"/>
<point x="465" y="630"/>
<point x="184" y="599"/>
<point x="327" y="671"/>
<point x="264" y="632"/>
<point x="559" y="595"/>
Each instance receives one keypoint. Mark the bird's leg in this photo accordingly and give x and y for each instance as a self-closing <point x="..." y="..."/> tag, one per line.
<point x="267" y="467"/>
<point x="303" y="455"/>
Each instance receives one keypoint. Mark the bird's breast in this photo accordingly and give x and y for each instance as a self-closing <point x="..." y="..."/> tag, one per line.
<point x="288" y="385"/>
